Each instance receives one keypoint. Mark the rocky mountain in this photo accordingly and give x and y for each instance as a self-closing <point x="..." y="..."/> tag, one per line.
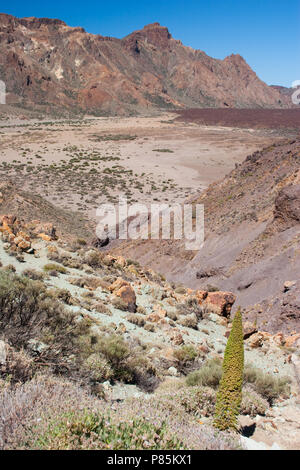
<point x="47" y="64"/>
<point x="252" y="243"/>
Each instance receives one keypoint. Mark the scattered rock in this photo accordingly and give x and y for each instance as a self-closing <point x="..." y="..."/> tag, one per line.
<point x="127" y="294"/>
<point x="256" y="340"/>
<point x="173" y="371"/>
<point x="249" y="329"/>
<point x="288" y="285"/>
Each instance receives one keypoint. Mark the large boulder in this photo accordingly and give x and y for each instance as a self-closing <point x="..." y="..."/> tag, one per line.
<point x="219" y="302"/>
<point x="127" y="295"/>
<point x="287" y="205"/>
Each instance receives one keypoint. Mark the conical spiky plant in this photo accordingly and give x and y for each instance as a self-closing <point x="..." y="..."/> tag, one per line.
<point x="229" y="396"/>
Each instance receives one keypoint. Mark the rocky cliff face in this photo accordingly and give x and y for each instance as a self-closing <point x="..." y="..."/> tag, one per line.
<point x="46" y="63"/>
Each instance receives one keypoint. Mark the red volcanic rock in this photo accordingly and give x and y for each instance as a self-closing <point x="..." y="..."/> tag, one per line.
<point x="292" y="340"/>
<point x="201" y="295"/>
<point x="44" y="60"/>
<point x="220" y="302"/>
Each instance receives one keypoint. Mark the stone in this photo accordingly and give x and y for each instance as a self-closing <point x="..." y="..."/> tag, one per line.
<point x="177" y="339"/>
<point x="24" y="245"/>
<point x="36" y="346"/>
<point x="288" y="285"/>
<point x="249" y="329"/>
<point x="220" y="302"/>
<point x="292" y="340"/>
<point x="201" y="295"/>
<point x="119" y="282"/>
<point x="127" y="294"/>
<point x="153" y="317"/>
<point x="44" y="237"/>
<point x="2" y="353"/>
<point x="173" y="371"/>
<point x="256" y="340"/>
<point x="279" y="339"/>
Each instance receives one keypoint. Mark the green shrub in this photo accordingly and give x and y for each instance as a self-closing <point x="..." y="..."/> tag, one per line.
<point x="55" y="267"/>
<point x="87" y="430"/>
<point x="98" y="368"/>
<point x="28" y="311"/>
<point x="229" y="396"/>
<point x="209" y="375"/>
<point x="267" y="385"/>
<point x="185" y="354"/>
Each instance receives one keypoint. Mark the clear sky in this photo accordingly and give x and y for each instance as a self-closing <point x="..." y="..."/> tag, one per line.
<point x="265" y="32"/>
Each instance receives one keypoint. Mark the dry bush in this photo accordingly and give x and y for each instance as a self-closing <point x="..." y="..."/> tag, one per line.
<point x="136" y="319"/>
<point x="252" y="403"/>
<point x="52" y="414"/>
<point x="267" y="385"/>
<point x="190" y="307"/>
<point x="19" y="366"/>
<point x="119" y="304"/>
<point x="33" y="274"/>
<point x="102" y="308"/>
<point x="52" y="267"/>
<point x="189" y="321"/>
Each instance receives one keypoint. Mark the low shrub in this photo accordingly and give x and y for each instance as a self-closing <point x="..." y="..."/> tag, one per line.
<point x="98" y="431"/>
<point x="209" y="375"/>
<point x="189" y="321"/>
<point x="50" y="267"/>
<point x="185" y="354"/>
<point x="118" y="303"/>
<point x="198" y="401"/>
<point x="98" y="368"/>
<point x="252" y="403"/>
<point x="267" y="385"/>
<point x="33" y="274"/>
<point x="190" y="307"/>
<point x="136" y="319"/>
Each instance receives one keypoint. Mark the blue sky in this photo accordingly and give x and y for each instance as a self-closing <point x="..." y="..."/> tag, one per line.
<point x="265" y="32"/>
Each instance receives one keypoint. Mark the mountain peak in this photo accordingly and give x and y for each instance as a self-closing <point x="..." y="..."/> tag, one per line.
<point x="153" y="33"/>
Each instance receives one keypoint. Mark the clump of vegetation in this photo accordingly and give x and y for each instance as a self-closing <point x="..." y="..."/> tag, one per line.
<point x="267" y="385"/>
<point x="50" y="267"/>
<point x="208" y="376"/>
<point x="33" y="274"/>
<point x="229" y="396"/>
<point x="186" y="353"/>
<point x="190" y="321"/>
<point x="190" y="307"/>
<point x="102" y="308"/>
<point x="88" y="430"/>
<point x="198" y="401"/>
<point x="136" y="319"/>
<point x="163" y="150"/>
<point x="252" y="403"/>
<point x="119" y="303"/>
<point x="127" y="362"/>
<point x="180" y="290"/>
<point x="28" y="311"/>
<point x="93" y="258"/>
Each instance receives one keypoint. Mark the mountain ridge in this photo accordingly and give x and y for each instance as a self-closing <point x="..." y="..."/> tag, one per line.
<point x="46" y="63"/>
